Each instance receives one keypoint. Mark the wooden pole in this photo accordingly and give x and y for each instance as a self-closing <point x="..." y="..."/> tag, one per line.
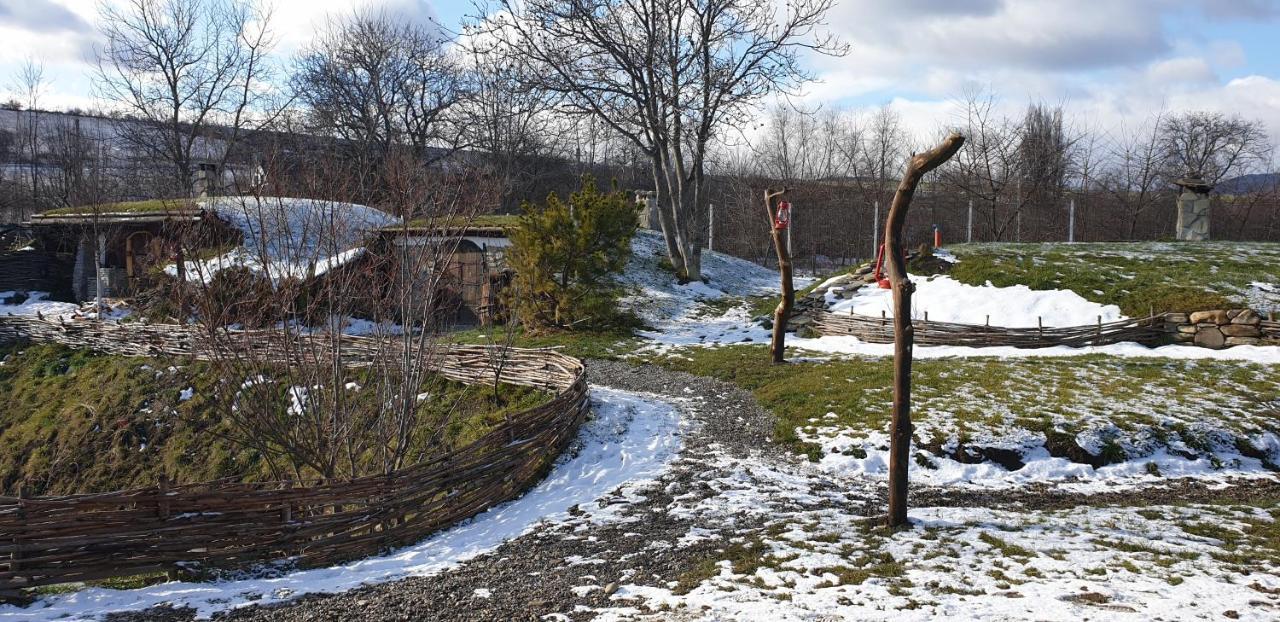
<point x="903" y="333"/>
<point x="778" y="344"/>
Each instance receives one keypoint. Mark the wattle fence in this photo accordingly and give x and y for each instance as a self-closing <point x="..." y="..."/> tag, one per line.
<point x="228" y="524"/>
<point x="1147" y="330"/>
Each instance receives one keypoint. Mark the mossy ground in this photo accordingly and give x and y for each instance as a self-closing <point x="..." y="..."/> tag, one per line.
<point x="132" y="207"/>
<point x="1139" y="277"/>
<point x="74" y="421"/>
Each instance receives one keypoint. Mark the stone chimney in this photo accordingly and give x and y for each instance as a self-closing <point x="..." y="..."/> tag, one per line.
<point x="1193" y="208"/>
<point x="647" y="205"/>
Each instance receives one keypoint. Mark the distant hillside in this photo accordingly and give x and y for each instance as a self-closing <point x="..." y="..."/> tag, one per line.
<point x="1246" y="184"/>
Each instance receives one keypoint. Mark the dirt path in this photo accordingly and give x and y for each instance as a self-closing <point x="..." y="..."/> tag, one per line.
<point x="729" y="481"/>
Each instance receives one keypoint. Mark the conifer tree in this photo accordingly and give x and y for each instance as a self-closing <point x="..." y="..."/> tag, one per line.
<point x="566" y="257"/>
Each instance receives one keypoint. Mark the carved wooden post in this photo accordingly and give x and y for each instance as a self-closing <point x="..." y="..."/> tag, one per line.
<point x="903" y="333"/>
<point x="778" y="344"/>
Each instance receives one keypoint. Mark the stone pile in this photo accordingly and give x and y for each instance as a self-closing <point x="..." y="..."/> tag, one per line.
<point x="1221" y="328"/>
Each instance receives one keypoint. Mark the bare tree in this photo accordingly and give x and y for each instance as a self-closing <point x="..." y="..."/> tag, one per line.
<point x="190" y="74"/>
<point x="512" y="129"/>
<point x="668" y="75"/>
<point x="1044" y="153"/>
<point x="1211" y="145"/>
<point x="385" y="87"/>
<point x="1133" y="177"/>
<point x="30" y="85"/>
<point x="987" y="167"/>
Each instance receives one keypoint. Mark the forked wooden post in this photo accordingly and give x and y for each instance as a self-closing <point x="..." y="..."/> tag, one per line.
<point x="777" y="346"/>
<point x="903" y="333"/>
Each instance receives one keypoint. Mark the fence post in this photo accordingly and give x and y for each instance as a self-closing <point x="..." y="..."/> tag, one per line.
<point x="1071" y="222"/>
<point x="969" y="236"/>
<point x="16" y="555"/>
<point x="711" y="226"/>
<point x="286" y="511"/>
<point x="875" y="230"/>
<point x="162" y="505"/>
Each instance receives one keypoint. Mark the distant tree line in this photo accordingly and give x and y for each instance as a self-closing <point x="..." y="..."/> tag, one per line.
<point x="528" y="97"/>
<point x="1021" y="175"/>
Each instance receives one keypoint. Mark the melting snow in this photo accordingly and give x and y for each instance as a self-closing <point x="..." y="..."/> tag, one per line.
<point x="35" y="303"/>
<point x="630" y="439"/>
<point x="287" y="237"/>
<point x="945" y="299"/>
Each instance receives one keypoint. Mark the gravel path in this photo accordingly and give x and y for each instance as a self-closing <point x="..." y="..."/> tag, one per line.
<point x="579" y="562"/>
<point x="729" y="481"/>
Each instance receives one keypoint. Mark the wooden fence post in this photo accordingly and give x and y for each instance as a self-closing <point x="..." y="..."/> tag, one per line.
<point x="777" y="345"/>
<point x="163" y="504"/>
<point x="15" y="557"/>
<point x="903" y="332"/>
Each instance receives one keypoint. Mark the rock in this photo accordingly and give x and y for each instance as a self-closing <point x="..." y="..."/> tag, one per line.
<point x="1187" y="329"/>
<point x="1210" y="337"/>
<point x="1241" y="330"/>
<point x="1211" y="317"/>
<point x="1247" y="316"/>
<point x="801" y="320"/>
<point x="869" y="278"/>
<point x="1242" y="341"/>
<point x="1176" y="318"/>
<point x="611" y="588"/>
<point x="1232" y="313"/>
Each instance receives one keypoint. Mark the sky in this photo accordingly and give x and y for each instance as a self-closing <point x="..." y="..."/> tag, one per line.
<point x="1111" y="63"/>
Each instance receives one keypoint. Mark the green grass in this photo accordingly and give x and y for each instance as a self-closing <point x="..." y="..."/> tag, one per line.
<point x="1137" y="276"/>
<point x="1136" y="404"/>
<point x="505" y="221"/>
<point x="132" y="207"/>
<point x="76" y="421"/>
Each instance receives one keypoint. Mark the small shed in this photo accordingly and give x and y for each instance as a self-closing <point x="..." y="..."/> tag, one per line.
<point x="476" y="271"/>
<point x="131" y="239"/>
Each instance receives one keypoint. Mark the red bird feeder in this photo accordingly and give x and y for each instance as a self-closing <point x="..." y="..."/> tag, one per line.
<point x="783" y="218"/>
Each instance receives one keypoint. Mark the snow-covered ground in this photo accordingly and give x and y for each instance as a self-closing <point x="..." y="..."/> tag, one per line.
<point x="1110" y="563"/>
<point x="944" y="299"/>
<point x="288" y="237"/>
<point x="33" y="303"/>
<point x="629" y="440"/>
<point x="675" y="313"/>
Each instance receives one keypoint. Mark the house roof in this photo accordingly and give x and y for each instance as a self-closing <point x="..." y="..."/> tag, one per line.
<point x="136" y="212"/>
<point x="484" y="225"/>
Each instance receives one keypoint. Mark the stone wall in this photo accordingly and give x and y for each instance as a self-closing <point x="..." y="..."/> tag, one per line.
<point x="1222" y="328"/>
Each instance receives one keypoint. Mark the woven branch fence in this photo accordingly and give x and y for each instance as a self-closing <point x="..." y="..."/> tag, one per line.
<point x="880" y="330"/>
<point x="228" y="524"/>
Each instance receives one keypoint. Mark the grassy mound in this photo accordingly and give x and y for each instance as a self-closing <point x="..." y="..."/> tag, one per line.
<point x="1137" y="276"/>
<point x="127" y="207"/>
<point x="76" y="421"/>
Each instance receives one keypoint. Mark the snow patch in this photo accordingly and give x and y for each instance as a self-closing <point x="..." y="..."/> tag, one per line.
<point x="631" y="438"/>
<point x="945" y="299"/>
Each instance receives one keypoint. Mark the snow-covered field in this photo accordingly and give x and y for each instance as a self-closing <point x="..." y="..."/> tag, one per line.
<point x="629" y="439"/>
<point x="1153" y="563"/>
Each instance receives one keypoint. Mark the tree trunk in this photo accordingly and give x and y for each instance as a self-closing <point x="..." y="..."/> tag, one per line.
<point x="903" y="333"/>
<point x="777" y="345"/>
